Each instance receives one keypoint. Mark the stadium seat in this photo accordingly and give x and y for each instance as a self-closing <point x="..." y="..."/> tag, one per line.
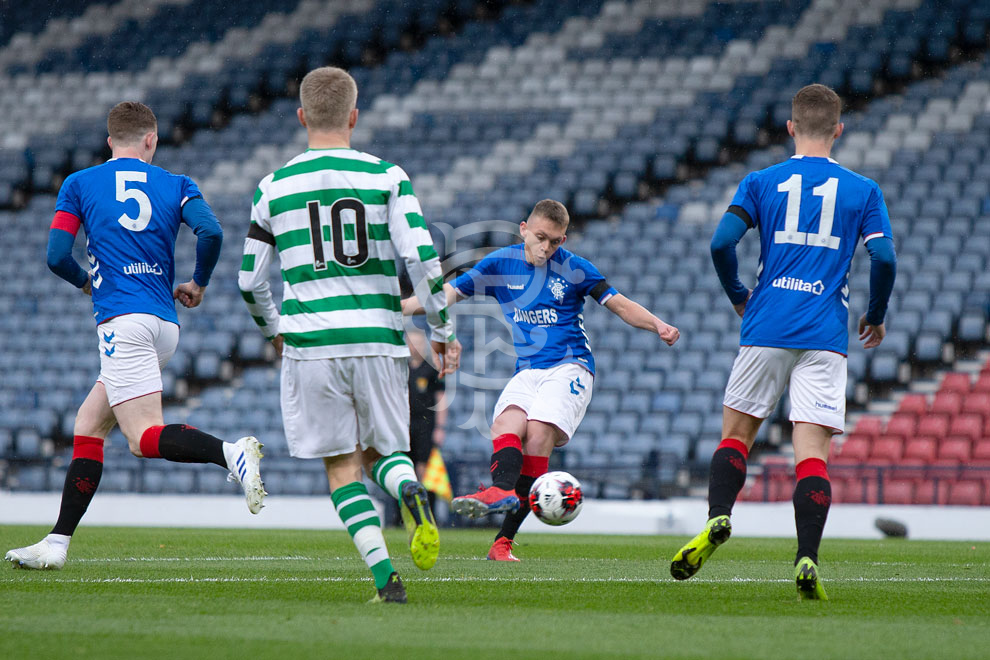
<point x="966" y="493"/>
<point x="886" y="449"/>
<point x="921" y="448"/>
<point x="898" y="491"/>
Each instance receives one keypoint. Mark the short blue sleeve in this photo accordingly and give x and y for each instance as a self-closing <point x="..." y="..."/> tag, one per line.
<point x="876" y="220"/>
<point x="68" y="198"/>
<point x="189" y="189"/>
<point x="592" y="282"/>
<point x="745" y="203"/>
<point x="477" y="280"/>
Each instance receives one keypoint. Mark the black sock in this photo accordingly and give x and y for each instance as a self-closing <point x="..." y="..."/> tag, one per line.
<point x="727" y="476"/>
<point x="507" y="461"/>
<point x="187" y="444"/>
<point x="812" y="497"/>
<point x="81" y="481"/>
<point x="512" y="521"/>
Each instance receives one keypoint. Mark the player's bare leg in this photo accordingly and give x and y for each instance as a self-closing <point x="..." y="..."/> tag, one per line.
<point x="727" y="475"/>
<point x="357" y="512"/>
<point x="141" y="422"/>
<point x="397" y="477"/>
<point x="812" y="498"/>
<point x="508" y="431"/>
<point x="94" y="420"/>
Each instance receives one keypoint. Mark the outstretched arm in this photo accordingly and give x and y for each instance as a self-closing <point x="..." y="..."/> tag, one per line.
<point x="411" y="305"/>
<point x="638" y="316"/>
<point x="723" y="247"/>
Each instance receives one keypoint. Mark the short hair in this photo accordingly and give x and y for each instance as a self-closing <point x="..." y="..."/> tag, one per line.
<point x="130" y="121"/>
<point x="553" y="211"/>
<point x="815" y="111"/>
<point x="328" y="95"/>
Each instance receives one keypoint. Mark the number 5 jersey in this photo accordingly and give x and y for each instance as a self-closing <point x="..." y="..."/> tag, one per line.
<point x="131" y="212"/>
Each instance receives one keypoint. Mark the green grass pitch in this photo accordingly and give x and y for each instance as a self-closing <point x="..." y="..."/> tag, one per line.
<point x="183" y="593"/>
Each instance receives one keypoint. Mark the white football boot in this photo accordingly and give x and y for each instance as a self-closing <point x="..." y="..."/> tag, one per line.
<point x="244" y="464"/>
<point x="40" y="556"/>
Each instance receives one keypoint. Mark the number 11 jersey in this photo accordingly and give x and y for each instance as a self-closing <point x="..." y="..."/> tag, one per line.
<point x="811" y="213"/>
<point x="131" y="212"/>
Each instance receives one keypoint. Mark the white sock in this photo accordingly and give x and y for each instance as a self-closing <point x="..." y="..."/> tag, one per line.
<point x="59" y="541"/>
<point x="393" y="471"/>
<point x="230" y="450"/>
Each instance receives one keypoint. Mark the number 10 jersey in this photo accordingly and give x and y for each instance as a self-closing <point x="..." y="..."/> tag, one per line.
<point x="339" y="219"/>
<point x="131" y="212"/>
<point x="811" y="213"/>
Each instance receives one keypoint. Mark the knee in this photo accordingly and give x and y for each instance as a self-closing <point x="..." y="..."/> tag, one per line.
<point x="134" y="437"/>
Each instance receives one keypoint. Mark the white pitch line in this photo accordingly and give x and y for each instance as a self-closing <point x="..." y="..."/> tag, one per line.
<point x="105" y="560"/>
<point x="236" y="580"/>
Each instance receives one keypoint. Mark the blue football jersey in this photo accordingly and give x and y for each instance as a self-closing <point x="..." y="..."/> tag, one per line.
<point x="811" y="214"/>
<point x="131" y="211"/>
<point x="543" y="305"/>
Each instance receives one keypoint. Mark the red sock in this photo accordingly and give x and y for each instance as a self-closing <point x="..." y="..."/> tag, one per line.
<point x="507" y="460"/>
<point x="87" y="447"/>
<point x="149" y="442"/>
<point x="534" y="466"/>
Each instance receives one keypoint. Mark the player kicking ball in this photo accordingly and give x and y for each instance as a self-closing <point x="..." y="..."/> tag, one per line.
<point x="131" y="212"/>
<point x="541" y="289"/>
<point x="810" y="212"/>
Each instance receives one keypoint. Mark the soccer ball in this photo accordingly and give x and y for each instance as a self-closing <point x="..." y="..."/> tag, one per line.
<point x="556" y="498"/>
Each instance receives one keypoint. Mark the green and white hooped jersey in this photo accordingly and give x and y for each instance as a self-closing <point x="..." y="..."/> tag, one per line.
<point x="339" y="219"/>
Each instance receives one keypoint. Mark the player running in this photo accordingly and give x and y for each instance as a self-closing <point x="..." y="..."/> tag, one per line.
<point x="131" y="212"/>
<point x="338" y="219"/>
<point x="810" y="212"/>
<point x="541" y="289"/>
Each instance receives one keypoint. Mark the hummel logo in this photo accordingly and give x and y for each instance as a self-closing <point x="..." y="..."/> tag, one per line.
<point x="109" y="338"/>
<point x="577" y="382"/>
<point x="516" y="287"/>
<point x="110" y="351"/>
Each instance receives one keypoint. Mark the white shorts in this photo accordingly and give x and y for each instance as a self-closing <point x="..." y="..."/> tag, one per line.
<point x="559" y="395"/>
<point x="817" y="380"/>
<point x="133" y="350"/>
<point x="331" y="405"/>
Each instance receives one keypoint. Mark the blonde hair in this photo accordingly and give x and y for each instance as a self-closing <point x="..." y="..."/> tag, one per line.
<point x="815" y="111"/>
<point x="328" y="95"/>
<point x="130" y="121"/>
<point x="553" y="211"/>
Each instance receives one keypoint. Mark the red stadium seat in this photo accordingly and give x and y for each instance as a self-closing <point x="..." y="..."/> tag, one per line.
<point x="924" y="492"/>
<point x="981" y="452"/>
<point x="921" y="448"/>
<point x="903" y="424"/>
<point x="886" y="449"/>
<point x="947" y="403"/>
<point x="933" y="425"/>
<point x="977" y="403"/>
<point x="967" y="425"/>
<point x="898" y="491"/>
<point x="982" y="383"/>
<point x="854" y="450"/>
<point x="954" y="449"/>
<point x="916" y="404"/>
<point x="869" y="425"/>
<point x="956" y="382"/>
<point x="847" y="490"/>
<point x="781" y="490"/>
<point x="966" y="493"/>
